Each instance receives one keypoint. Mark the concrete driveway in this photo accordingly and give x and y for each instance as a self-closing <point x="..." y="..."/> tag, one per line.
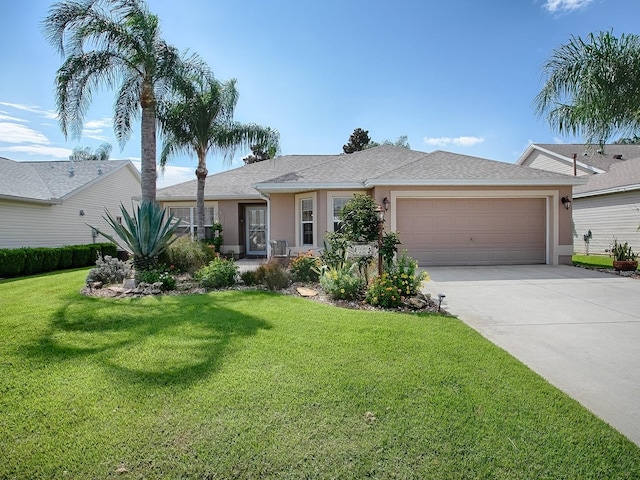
<point x="577" y="328"/>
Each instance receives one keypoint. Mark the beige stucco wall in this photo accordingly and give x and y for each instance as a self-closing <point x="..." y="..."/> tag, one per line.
<point x="559" y="225"/>
<point x="25" y="224"/>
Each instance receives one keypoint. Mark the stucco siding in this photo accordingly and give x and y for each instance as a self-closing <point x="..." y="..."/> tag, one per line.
<point x="609" y="217"/>
<point x="25" y="224"/>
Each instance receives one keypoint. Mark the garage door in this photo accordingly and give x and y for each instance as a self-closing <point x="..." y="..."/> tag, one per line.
<point x="474" y="231"/>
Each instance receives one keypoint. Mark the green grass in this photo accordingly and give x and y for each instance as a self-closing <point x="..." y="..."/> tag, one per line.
<point x="260" y="385"/>
<point x="594" y="261"/>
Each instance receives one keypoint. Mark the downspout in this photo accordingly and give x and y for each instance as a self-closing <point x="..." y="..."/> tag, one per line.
<point x="266" y="197"/>
<point x="575" y="164"/>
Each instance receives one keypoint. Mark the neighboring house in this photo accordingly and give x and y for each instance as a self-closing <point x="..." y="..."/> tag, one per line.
<point x="449" y="209"/>
<point x="49" y="204"/>
<point x="608" y="205"/>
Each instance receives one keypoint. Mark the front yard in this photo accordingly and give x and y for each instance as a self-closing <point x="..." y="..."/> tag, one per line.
<point x="253" y="384"/>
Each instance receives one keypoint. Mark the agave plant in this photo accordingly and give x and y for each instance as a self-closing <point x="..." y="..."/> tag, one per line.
<point x="146" y="234"/>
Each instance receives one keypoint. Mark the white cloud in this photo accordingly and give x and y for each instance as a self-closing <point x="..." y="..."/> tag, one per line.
<point x="40" y="150"/>
<point x="96" y="134"/>
<point x="99" y="123"/>
<point x="4" y="117"/>
<point x="15" y="133"/>
<point x="33" y="109"/>
<point x="457" y="141"/>
<point x="563" y="6"/>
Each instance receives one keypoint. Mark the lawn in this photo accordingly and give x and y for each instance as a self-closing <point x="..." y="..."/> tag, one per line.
<point x="593" y="261"/>
<point x="262" y="385"/>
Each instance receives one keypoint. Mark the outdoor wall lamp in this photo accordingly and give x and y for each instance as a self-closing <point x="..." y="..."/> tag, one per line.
<point x="386" y="202"/>
<point x="566" y="202"/>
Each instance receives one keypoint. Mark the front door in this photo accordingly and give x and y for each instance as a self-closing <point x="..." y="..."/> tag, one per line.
<point x="256" y="230"/>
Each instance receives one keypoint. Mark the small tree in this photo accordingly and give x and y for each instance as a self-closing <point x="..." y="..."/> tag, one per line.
<point x="258" y="154"/>
<point x="358" y="141"/>
<point x="359" y="220"/>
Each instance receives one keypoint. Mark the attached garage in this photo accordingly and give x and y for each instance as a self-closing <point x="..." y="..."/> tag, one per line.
<point x="473" y="231"/>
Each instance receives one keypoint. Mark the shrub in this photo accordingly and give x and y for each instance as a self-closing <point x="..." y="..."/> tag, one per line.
<point x="220" y="273"/>
<point x="156" y="275"/>
<point x="273" y="275"/>
<point x="108" y="249"/>
<point x="109" y="270"/>
<point x="81" y="256"/>
<point x="187" y="255"/>
<point x="407" y="266"/>
<point x="342" y="283"/>
<point x="248" y="277"/>
<point x="334" y="253"/>
<point x="388" y="290"/>
<point x="217" y="240"/>
<point x="33" y="261"/>
<point x="12" y="262"/>
<point x="50" y="259"/>
<point x="66" y="258"/>
<point x="305" y="268"/>
<point x="390" y="242"/>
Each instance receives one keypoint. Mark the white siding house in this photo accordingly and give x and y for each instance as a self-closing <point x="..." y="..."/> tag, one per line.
<point x="53" y="203"/>
<point x="607" y="207"/>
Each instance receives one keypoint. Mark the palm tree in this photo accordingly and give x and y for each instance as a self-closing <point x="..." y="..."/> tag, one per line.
<point x="593" y="87"/>
<point x="128" y="54"/>
<point x="199" y="118"/>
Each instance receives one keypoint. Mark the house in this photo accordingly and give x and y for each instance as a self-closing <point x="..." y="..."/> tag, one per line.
<point x="449" y="209"/>
<point x="607" y="206"/>
<point x="50" y="203"/>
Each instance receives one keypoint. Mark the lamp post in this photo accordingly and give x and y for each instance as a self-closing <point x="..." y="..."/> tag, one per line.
<point x="380" y="218"/>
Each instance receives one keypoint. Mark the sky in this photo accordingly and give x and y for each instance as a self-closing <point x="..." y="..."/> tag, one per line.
<point x="454" y="75"/>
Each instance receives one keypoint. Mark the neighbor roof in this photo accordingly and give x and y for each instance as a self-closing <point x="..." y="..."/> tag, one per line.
<point x="620" y="177"/>
<point x="589" y="155"/>
<point x="383" y="165"/>
<point x="51" y="181"/>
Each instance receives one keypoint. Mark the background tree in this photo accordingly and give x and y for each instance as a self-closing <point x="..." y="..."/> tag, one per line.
<point x="128" y="54"/>
<point x="358" y="141"/>
<point x="258" y="154"/>
<point x="635" y="140"/>
<point x="198" y="118"/>
<point x="100" y="154"/>
<point x="401" y="142"/>
<point x="592" y="87"/>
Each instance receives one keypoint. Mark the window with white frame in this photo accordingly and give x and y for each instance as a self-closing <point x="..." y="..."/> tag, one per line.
<point x="336" y="205"/>
<point x="306" y="221"/>
<point x="189" y="221"/>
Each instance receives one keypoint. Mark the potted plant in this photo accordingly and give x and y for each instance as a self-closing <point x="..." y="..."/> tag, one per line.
<point x="623" y="256"/>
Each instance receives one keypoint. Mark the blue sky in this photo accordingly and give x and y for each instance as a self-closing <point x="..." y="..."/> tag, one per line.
<point x="456" y="75"/>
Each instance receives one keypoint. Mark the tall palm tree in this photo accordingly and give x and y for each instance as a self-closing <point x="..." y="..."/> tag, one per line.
<point x="592" y="87"/>
<point x="198" y="118"/>
<point x="125" y="52"/>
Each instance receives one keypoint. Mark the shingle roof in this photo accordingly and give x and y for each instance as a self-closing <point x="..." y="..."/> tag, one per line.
<point x="51" y="181"/>
<point x="620" y="175"/>
<point x="386" y="164"/>
<point x="446" y="168"/>
<point x="592" y="155"/>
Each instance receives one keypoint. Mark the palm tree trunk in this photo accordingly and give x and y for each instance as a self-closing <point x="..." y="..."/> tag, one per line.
<point x="201" y="174"/>
<point x="148" y="140"/>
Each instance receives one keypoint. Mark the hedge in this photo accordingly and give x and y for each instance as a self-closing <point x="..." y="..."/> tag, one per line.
<point x="30" y="261"/>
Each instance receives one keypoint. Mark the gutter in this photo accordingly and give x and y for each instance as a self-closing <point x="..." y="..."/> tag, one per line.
<point x="478" y="182"/>
<point x="606" y="191"/>
<point x="49" y="201"/>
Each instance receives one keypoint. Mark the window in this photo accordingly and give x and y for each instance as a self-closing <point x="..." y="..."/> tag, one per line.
<point x="306" y="224"/>
<point x="337" y="204"/>
<point x="188" y="220"/>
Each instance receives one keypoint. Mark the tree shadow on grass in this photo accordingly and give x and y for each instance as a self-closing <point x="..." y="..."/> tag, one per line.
<point x="168" y="340"/>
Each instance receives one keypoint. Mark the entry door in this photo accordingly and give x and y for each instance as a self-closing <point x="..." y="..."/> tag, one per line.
<point x="256" y="230"/>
